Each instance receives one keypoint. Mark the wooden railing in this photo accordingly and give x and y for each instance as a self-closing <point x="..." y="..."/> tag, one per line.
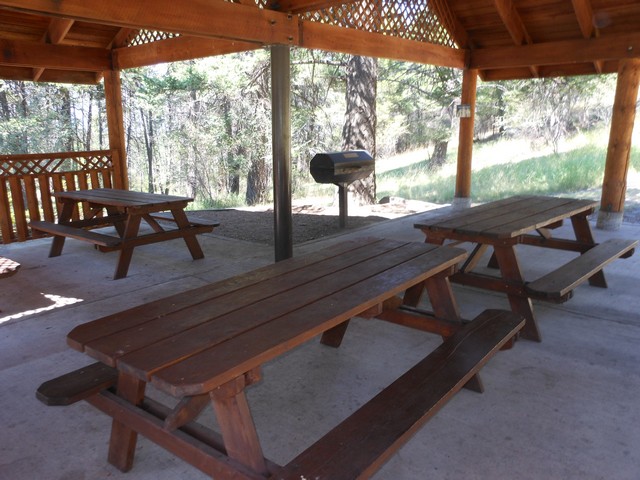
<point x="28" y="181"/>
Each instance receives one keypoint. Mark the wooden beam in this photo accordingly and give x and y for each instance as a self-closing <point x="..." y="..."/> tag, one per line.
<point x="514" y="24"/>
<point x="614" y="184"/>
<point x="611" y="47"/>
<point x="451" y="23"/>
<point x="115" y="122"/>
<point x="49" y="75"/>
<point x="176" y="49"/>
<point x="57" y="30"/>
<point x="121" y="38"/>
<point x="302" y="6"/>
<point x="337" y="39"/>
<point x="208" y="18"/>
<point x="465" y="144"/>
<point x="60" y="57"/>
<point x="584" y="16"/>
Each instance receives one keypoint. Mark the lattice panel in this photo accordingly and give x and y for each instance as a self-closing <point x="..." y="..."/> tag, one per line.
<point x="28" y="181"/>
<point x="39" y="165"/>
<point x="408" y="19"/>
<point x="150" y="36"/>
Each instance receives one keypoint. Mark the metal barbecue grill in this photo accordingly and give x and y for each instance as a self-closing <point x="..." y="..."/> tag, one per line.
<point x="341" y="169"/>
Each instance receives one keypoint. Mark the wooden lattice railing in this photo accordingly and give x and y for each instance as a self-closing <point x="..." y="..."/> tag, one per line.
<point x="28" y="181"/>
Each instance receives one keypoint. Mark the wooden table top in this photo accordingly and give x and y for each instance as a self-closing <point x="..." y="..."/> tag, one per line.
<point x="192" y="342"/>
<point x="507" y="218"/>
<point x="121" y="198"/>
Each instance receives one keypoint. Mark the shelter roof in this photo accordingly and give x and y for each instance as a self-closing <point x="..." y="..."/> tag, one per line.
<point x="76" y="40"/>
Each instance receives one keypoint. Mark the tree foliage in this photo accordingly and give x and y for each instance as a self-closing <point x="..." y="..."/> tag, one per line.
<point x="203" y="128"/>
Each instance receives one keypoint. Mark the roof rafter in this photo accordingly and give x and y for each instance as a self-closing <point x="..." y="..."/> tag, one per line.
<point x="176" y="49"/>
<point x="336" y="39"/>
<point x="199" y="18"/>
<point x="58" y="57"/>
<point x="613" y="47"/>
<point x="450" y="22"/>
<point x="584" y="15"/>
<point x="303" y="6"/>
<point x="57" y="30"/>
<point x="514" y="24"/>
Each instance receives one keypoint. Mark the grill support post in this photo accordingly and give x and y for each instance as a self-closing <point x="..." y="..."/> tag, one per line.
<point x="343" y="203"/>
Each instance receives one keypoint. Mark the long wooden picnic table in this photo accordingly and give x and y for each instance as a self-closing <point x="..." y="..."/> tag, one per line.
<point x="527" y="220"/>
<point x="205" y="346"/>
<point x="125" y="210"/>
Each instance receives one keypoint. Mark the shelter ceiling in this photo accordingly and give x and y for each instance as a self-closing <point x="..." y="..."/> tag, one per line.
<point x="76" y="40"/>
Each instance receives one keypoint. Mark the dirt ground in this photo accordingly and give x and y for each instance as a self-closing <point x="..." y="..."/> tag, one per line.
<point x="309" y="222"/>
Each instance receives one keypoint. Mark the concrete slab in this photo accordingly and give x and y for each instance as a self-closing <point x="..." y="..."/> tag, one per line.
<point x="565" y="408"/>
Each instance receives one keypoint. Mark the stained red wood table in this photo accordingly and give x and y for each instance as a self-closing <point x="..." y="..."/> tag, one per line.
<point x="206" y="345"/>
<point x="503" y="224"/>
<point x="125" y="210"/>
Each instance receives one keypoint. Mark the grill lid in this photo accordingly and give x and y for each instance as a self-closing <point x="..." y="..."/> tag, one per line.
<point x="341" y="167"/>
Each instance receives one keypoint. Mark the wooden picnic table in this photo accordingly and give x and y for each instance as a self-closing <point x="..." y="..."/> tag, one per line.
<point x="205" y="346"/>
<point x="528" y="220"/>
<point x="125" y="210"/>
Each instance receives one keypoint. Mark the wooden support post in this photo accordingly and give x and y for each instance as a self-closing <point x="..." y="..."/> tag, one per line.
<point x="281" y="141"/>
<point x="465" y="145"/>
<point x="115" y="121"/>
<point x="614" y="185"/>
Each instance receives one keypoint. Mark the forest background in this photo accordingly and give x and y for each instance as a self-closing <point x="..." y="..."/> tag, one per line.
<point x="203" y="128"/>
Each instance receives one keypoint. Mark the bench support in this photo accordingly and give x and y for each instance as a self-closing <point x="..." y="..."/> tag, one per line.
<point x="558" y="285"/>
<point x="362" y="443"/>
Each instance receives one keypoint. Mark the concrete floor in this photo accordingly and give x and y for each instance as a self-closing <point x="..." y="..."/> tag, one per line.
<point x="566" y="408"/>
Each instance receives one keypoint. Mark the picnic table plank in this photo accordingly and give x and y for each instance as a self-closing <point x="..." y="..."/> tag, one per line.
<point x="273" y="297"/>
<point x="238" y="354"/>
<point x="456" y="219"/>
<point x="360" y="444"/>
<point x="110" y="324"/>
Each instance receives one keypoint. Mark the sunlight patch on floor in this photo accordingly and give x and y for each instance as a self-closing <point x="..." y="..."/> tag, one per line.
<point x="57" y="301"/>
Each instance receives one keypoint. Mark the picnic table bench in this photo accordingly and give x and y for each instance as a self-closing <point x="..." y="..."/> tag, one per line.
<point x="206" y="346"/>
<point x="124" y="210"/>
<point x="527" y="220"/>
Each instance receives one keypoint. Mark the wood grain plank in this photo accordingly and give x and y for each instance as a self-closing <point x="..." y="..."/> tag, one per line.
<point x="170" y="339"/>
<point x="359" y="445"/>
<point x="542" y="218"/>
<point x="455" y="220"/>
<point x="518" y="214"/>
<point x="132" y="317"/>
<point x="20" y="217"/>
<point x="6" y="225"/>
<point x="256" y="346"/>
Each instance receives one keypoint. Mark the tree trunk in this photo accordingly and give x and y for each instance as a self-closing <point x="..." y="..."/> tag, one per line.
<point x="257" y="182"/>
<point x="439" y="155"/>
<point x="359" y="130"/>
<point x="147" y="128"/>
<point x="87" y="141"/>
<point x="67" y="119"/>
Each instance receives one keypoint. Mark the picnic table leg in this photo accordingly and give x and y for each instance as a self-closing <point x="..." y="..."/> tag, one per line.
<point x="236" y="425"/>
<point x="510" y="272"/>
<point x="445" y="306"/>
<point x="583" y="233"/>
<point x="119" y="225"/>
<point x="190" y="239"/>
<point x="58" y="240"/>
<point x="122" y="444"/>
<point x="126" y="252"/>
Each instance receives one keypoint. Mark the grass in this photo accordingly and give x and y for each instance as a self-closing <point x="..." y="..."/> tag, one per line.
<point x="509" y="167"/>
<point x="500" y="168"/>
